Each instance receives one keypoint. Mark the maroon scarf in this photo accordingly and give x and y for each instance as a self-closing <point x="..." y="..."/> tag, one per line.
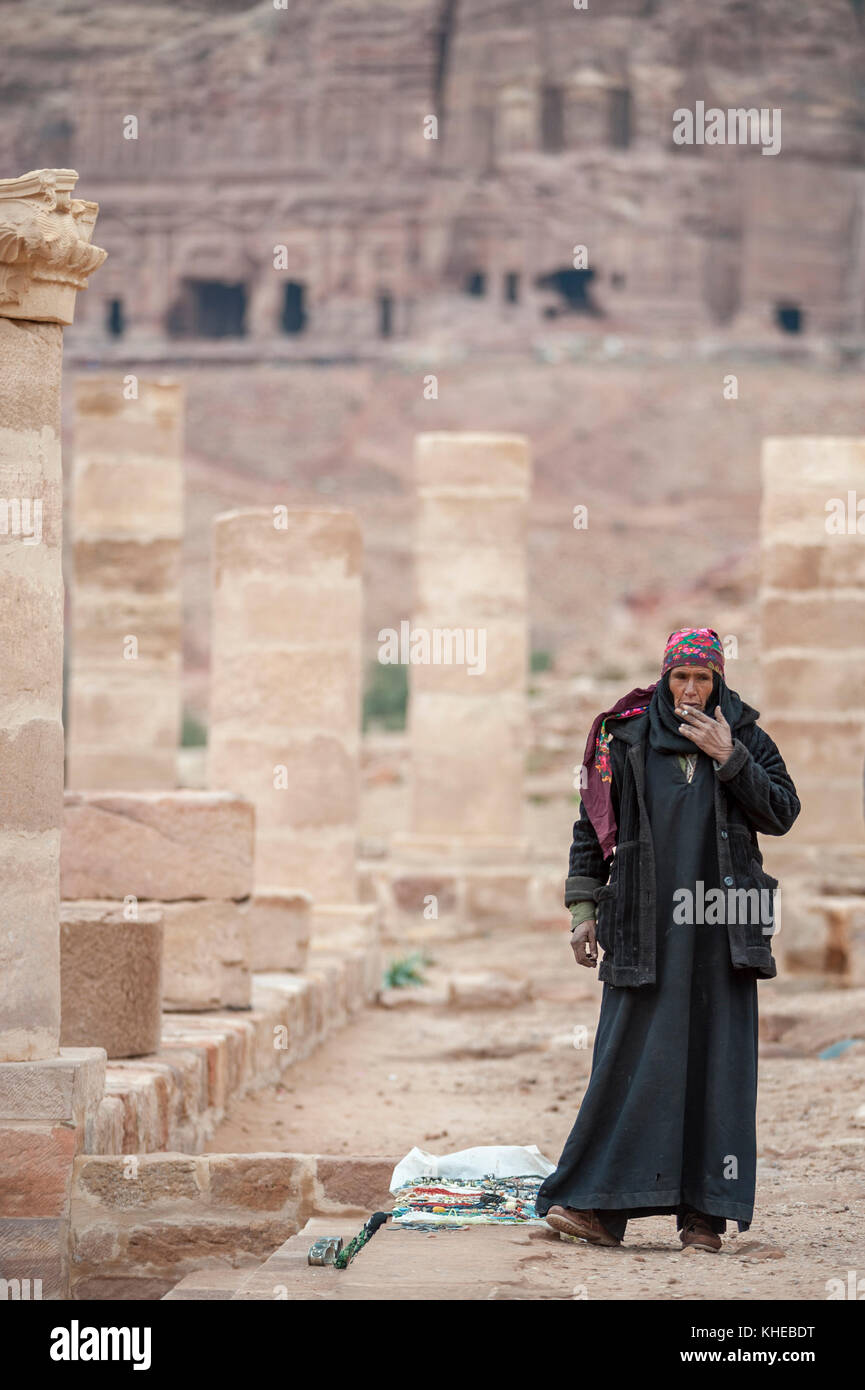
<point x="597" y="793"/>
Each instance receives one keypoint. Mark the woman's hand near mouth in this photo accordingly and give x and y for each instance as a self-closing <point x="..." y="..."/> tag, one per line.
<point x="712" y="736"/>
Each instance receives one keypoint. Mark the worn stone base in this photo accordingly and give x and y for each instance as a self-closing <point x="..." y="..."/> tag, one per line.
<point x="47" y="1116"/>
<point x="110" y="978"/>
<point x="280" y="926"/>
<point x="206" y="961"/>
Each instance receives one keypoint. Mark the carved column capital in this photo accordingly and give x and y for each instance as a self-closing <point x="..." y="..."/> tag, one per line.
<point x="45" y="251"/>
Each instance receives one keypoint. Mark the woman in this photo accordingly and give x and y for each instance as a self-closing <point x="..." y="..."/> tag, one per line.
<point x="680" y="778"/>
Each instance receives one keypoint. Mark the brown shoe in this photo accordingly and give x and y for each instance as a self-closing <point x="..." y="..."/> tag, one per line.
<point x="697" y="1233"/>
<point x="580" y="1225"/>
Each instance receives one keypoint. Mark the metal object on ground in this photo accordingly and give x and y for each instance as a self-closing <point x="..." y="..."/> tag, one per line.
<point x="324" y="1251"/>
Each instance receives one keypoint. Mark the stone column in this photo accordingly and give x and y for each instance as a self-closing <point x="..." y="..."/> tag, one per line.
<point x="467" y="709"/>
<point x="286" y="700"/>
<point x="812" y="605"/>
<point x="125" y="678"/>
<point x="47" y="1099"/>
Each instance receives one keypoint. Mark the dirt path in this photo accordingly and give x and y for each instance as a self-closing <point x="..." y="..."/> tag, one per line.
<point x="445" y="1079"/>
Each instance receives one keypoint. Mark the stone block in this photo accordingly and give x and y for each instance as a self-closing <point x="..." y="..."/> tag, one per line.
<point x="413" y="893"/>
<point x="478" y="658"/>
<point x="804" y="743"/>
<point x="66" y="1087"/>
<point x="813" y="566"/>
<point x="110" y="978"/>
<point x="31" y="778"/>
<point x="32" y="664"/>
<point x="141" y="564"/>
<point x="324" y="865"/>
<point x="831" y="810"/>
<point x="157" y="845"/>
<point x="459" y="589"/>
<point x="138" y="770"/>
<point x="143" y="497"/>
<point x="150" y="424"/>
<point x="35" y="1249"/>
<point x="356" y="1184"/>
<point x="30" y="995"/>
<point x="206" y="956"/>
<point x="825" y="622"/>
<point x="457" y="518"/>
<point x="107" y="1137"/>
<point x="103" y="621"/>
<point x="812" y="684"/>
<point x="261" y="612"/>
<point x="499" y="463"/>
<point x="111" y="709"/>
<point x="318" y="787"/>
<point x="184" y="1245"/>
<point x="318" y="685"/>
<point x="35" y="1169"/>
<point x="280" y="925"/>
<point x="262" y="1182"/>
<point x="144" y="1129"/>
<point x="452" y="738"/>
<point x="150" y="1182"/>
<point x="324" y="541"/>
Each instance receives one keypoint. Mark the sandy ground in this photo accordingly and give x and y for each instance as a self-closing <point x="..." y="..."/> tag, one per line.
<point x="445" y="1079"/>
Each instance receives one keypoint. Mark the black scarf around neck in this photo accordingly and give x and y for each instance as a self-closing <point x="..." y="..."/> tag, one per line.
<point x="664" y="722"/>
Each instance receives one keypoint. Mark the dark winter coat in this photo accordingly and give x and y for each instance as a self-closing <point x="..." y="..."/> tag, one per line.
<point x="753" y="792"/>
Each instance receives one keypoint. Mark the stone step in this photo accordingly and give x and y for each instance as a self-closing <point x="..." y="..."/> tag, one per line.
<point x="399" y="1264"/>
<point x="205" y="1285"/>
<point x="286" y="1274"/>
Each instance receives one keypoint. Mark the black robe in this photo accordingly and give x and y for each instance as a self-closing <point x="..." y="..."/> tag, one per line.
<point x="668" y="1120"/>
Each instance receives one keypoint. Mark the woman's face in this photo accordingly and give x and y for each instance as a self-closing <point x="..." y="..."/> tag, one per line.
<point x="690" y="686"/>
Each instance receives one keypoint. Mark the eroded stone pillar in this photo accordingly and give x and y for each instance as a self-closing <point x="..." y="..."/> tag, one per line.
<point x="812" y="605"/>
<point x="125" y="676"/>
<point x="45" y="257"/>
<point x="286" y="695"/>
<point x="468" y="670"/>
<point x="47" y="1099"/>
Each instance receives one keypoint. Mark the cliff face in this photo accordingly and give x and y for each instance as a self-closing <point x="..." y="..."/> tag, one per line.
<point x="212" y="133"/>
<point x="304" y="129"/>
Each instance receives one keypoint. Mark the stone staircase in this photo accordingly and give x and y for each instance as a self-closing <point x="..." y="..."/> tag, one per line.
<point x="285" y="1274"/>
